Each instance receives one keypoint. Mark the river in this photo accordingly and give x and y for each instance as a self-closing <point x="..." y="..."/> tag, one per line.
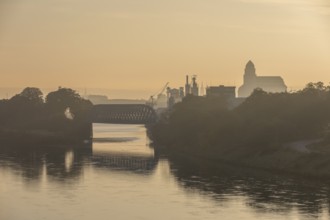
<point x="121" y="177"/>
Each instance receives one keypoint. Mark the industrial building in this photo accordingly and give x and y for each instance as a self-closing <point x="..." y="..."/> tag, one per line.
<point x="174" y="96"/>
<point x="191" y="88"/>
<point x="227" y="92"/>
<point x="251" y="82"/>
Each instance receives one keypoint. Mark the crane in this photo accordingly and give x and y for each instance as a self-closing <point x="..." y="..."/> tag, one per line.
<point x="151" y="100"/>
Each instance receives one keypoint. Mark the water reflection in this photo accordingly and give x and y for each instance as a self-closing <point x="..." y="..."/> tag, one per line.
<point x="119" y="162"/>
<point x="65" y="163"/>
<point x="263" y="191"/>
<point x="123" y="149"/>
<point x="119" y="172"/>
<point x="69" y="159"/>
<point x="58" y="163"/>
<point x="62" y="163"/>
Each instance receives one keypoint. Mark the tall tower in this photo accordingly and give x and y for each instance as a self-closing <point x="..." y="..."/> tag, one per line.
<point x="187" y="86"/>
<point x="250" y="72"/>
<point x="194" y="88"/>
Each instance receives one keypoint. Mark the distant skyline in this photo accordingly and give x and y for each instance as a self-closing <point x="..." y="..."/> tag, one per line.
<point x="137" y="46"/>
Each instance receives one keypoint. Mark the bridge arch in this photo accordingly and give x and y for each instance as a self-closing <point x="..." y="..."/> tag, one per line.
<point x="123" y="114"/>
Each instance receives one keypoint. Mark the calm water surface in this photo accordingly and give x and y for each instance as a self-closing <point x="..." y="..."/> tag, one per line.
<point x="121" y="177"/>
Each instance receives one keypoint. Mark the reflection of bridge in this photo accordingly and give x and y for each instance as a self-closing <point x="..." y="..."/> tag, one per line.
<point x="124" y="114"/>
<point x="126" y="162"/>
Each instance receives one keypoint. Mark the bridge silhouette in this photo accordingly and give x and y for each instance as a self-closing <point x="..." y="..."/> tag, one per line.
<point x="123" y="114"/>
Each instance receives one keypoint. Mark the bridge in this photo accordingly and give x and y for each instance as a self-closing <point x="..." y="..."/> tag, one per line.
<point x="123" y="114"/>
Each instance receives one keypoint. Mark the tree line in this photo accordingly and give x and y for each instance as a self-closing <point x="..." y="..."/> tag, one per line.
<point x="264" y="120"/>
<point x="62" y="111"/>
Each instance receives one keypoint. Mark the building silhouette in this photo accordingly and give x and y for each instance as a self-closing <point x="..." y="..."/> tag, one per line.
<point x="266" y="83"/>
<point x="187" y="86"/>
<point x="194" y="87"/>
<point x="191" y="88"/>
<point x="174" y="96"/>
<point x="227" y="92"/>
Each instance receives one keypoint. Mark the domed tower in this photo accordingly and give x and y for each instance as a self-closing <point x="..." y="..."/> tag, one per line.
<point x="250" y="72"/>
<point x="250" y="80"/>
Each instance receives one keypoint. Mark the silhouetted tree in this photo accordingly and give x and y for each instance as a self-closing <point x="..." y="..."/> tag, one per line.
<point x="62" y="101"/>
<point x="27" y="113"/>
<point x="32" y="94"/>
<point x="59" y="101"/>
<point x="22" y="110"/>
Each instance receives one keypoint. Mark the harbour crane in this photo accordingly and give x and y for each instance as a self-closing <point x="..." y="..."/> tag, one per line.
<point x="151" y="100"/>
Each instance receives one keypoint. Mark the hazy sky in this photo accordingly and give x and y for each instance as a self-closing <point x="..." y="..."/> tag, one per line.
<point x="141" y="45"/>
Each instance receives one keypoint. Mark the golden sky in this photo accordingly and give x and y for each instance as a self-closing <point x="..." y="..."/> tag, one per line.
<point x="140" y="45"/>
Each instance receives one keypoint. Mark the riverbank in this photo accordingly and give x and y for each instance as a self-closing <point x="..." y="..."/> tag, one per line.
<point x="61" y="117"/>
<point x="268" y="130"/>
<point x="306" y="158"/>
<point x="13" y="137"/>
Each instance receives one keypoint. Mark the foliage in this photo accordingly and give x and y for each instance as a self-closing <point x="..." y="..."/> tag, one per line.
<point x="32" y="94"/>
<point x="262" y="120"/>
<point x="22" y="109"/>
<point x="59" y="101"/>
<point x="27" y="111"/>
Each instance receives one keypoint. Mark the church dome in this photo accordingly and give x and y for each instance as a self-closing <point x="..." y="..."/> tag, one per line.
<point x="250" y="71"/>
<point x="250" y="64"/>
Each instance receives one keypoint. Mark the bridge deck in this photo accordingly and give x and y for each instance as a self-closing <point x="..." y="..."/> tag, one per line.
<point x="123" y="114"/>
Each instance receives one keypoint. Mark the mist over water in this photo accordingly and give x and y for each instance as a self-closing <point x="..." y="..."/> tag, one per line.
<point x="219" y="86"/>
<point x="122" y="177"/>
